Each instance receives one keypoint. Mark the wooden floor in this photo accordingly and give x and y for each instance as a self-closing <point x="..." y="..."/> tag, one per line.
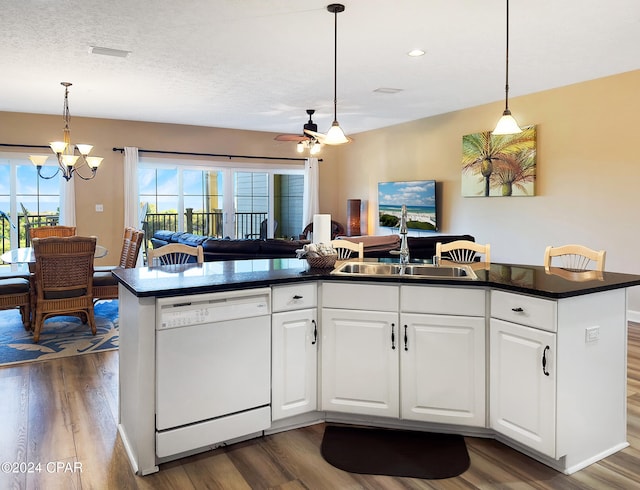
<point x="58" y="427"/>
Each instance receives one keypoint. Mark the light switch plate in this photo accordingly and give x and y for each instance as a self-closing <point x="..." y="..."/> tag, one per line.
<point x="99" y="208"/>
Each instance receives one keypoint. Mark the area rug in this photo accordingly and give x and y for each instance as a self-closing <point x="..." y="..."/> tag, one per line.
<point x="395" y="452"/>
<point x="60" y="336"/>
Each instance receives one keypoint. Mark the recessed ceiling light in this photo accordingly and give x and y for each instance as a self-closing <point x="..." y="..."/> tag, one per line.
<point x="414" y="53"/>
<point x="118" y="53"/>
<point x="388" y="90"/>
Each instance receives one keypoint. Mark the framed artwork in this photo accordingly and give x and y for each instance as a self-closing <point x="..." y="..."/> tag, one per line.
<point x="420" y="198"/>
<point x="503" y="165"/>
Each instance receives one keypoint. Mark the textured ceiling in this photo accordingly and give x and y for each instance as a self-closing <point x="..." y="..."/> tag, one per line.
<point x="258" y="64"/>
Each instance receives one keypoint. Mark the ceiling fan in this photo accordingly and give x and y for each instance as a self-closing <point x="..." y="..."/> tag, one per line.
<point x="309" y="139"/>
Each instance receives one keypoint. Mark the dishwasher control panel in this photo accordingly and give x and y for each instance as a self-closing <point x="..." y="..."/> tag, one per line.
<point x="209" y="308"/>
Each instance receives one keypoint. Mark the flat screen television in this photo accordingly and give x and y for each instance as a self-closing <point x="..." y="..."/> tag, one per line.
<point x="420" y="198"/>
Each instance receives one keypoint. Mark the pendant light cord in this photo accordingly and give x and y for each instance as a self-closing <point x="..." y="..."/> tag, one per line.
<point x="506" y="85"/>
<point x="335" y="66"/>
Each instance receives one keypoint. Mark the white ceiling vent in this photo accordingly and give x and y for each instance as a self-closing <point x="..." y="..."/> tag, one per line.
<point x="118" y="53"/>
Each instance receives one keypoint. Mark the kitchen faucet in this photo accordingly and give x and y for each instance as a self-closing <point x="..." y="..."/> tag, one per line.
<point x="404" y="246"/>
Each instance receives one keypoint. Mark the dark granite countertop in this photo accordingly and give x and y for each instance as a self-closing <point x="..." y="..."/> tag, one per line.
<point x="245" y="274"/>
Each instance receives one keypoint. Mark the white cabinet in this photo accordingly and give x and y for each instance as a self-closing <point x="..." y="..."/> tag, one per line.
<point x="360" y="368"/>
<point x="443" y="369"/>
<point x="294" y="350"/>
<point x="443" y="355"/>
<point x="523" y="384"/>
<point x="409" y="364"/>
<point x="557" y="375"/>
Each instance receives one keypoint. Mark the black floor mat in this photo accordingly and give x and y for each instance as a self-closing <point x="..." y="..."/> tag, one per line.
<point x="395" y="452"/>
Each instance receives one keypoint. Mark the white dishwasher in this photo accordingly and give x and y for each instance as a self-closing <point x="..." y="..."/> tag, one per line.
<point x="213" y="364"/>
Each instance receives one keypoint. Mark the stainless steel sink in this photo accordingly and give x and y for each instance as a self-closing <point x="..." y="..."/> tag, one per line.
<point x="417" y="271"/>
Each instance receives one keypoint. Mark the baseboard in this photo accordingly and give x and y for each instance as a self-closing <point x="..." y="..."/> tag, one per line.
<point x="633" y="316"/>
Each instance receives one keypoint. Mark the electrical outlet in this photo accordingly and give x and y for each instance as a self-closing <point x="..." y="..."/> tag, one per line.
<point x="99" y="208"/>
<point x="591" y="334"/>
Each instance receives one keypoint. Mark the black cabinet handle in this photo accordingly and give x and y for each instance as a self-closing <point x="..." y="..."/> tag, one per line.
<point x="544" y="361"/>
<point x="393" y="336"/>
<point x="406" y="339"/>
<point x="315" y="332"/>
<point x="297" y="296"/>
<point x="517" y="310"/>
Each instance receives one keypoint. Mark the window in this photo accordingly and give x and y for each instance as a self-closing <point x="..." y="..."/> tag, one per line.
<point x="23" y="192"/>
<point x="212" y="199"/>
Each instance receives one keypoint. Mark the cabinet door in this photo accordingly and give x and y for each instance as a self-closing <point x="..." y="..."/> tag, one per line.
<point x="443" y="369"/>
<point x="523" y="384"/>
<point x="294" y="363"/>
<point x="360" y="362"/>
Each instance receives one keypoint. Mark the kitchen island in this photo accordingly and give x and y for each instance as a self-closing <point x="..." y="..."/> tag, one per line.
<point x="534" y="358"/>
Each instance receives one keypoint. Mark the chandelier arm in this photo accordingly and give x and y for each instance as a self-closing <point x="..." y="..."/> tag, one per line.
<point x="39" y="167"/>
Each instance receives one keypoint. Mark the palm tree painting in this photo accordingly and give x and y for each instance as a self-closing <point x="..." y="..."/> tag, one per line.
<point x="502" y="165"/>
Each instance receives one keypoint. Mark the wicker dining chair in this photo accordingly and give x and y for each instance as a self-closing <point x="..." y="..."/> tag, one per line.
<point x="175" y="253"/>
<point x="105" y="286"/>
<point x="15" y="292"/>
<point x="63" y="279"/>
<point x="47" y="231"/>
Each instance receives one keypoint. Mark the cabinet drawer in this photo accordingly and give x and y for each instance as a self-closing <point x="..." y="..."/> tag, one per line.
<point x="442" y="300"/>
<point x="525" y="310"/>
<point x="294" y="297"/>
<point x="352" y="296"/>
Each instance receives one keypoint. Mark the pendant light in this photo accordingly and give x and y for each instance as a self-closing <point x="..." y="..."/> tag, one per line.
<point x="507" y="123"/>
<point x="335" y="135"/>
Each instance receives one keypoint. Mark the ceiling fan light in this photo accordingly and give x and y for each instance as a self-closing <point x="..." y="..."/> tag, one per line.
<point x="335" y="135"/>
<point x="315" y="148"/>
<point x="507" y="124"/>
<point x="300" y="147"/>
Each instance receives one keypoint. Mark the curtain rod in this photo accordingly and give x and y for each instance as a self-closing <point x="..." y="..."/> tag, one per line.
<point x="25" y="146"/>
<point x="121" y="150"/>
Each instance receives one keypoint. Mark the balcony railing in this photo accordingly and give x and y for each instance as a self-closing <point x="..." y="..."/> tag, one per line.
<point x="23" y="224"/>
<point x="247" y="225"/>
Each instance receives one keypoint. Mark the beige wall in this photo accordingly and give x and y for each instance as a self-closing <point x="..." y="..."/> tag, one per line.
<point x="588" y="169"/>
<point x="588" y="173"/>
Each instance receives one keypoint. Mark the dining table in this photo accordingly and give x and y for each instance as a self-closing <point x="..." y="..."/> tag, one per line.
<point x="25" y="255"/>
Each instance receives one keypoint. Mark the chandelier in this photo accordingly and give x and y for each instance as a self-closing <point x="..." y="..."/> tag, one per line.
<point x="66" y="151"/>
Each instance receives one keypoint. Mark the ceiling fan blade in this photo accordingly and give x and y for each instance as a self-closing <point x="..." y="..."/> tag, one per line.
<point x="320" y="137"/>
<point x="291" y="137"/>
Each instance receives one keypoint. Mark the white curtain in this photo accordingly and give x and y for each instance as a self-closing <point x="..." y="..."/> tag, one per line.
<point x="311" y="204"/>
<point x="131" y="201"/>
<point x="67" y="202"/>
<point x="132" y="212"/>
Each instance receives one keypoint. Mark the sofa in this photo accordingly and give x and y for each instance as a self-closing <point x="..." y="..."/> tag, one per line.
<point x="378" y="246"/>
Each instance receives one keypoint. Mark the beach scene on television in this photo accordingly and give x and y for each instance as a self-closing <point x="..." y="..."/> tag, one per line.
<point x="420" y="198"/>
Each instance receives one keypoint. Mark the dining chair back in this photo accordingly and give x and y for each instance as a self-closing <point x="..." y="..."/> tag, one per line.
<point x="463" y="251"/>
<point x="575" y="257"/>
<point x="63" y="279"/>
<point x="47" y="231"/>
<point x="105" y="286"/>
<point x="175" y="253"/>
<point x="344" y="248"/>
